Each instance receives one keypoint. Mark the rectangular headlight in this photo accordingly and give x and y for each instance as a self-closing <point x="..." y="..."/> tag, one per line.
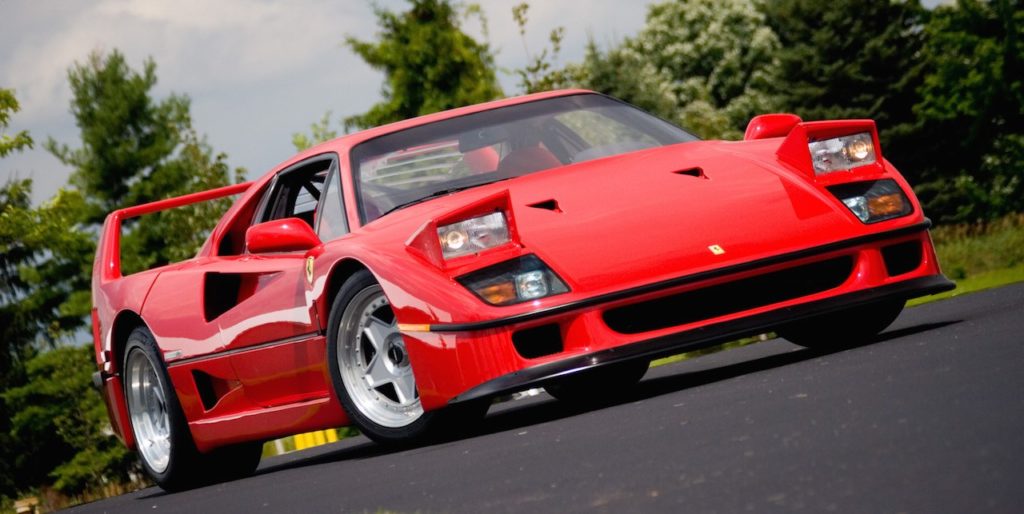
<point x="518" y="280"/>
<point x="842" y="153"/>
<point x="473" y="235"/>
<point x="873" y="200"/>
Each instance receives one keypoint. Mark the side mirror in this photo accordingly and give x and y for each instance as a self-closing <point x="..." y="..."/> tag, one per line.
<point x="283" y="235"/>
<point x="770" y="125"/>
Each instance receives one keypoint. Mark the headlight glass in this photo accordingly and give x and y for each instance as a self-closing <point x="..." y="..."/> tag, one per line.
<point x="473" y="235"/>
<point x="874" y="200"/>
<point x="519" y="280"/>
<point x="842" y="153"/>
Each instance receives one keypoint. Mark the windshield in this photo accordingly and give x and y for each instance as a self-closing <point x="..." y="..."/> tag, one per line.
<point x="409" y="166"/>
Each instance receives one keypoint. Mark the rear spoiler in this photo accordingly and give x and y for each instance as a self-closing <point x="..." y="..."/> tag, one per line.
<point x="107" y="265"/>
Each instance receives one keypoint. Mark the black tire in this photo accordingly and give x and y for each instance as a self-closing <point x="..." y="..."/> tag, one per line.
<point x="185" y="467"/>
<point x="346" y="312"/>
<point x="843" y="329"/>
<point x="598" y="385"/>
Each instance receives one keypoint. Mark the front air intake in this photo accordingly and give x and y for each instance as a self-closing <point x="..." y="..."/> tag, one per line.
<point x="538" y="341"/>
<point x="730" y="297"/>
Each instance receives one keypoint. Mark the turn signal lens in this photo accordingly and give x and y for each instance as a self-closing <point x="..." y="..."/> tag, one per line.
<point x="516" y="281"/>
<point x="498" y="294"/>
<point x="874" y="200"/>
<point x="885" y="205"/>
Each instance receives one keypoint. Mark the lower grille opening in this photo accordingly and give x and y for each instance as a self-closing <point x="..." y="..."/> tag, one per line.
<point x="538" y="341"/>
<point x="730" y="297"/>
<point x="902" y="258"/>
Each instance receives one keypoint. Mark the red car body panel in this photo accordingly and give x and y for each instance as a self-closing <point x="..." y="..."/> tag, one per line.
<point x="619" y="231"/>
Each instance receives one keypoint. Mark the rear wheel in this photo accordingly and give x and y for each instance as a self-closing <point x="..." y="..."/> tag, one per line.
<point x="844" y="328"/>
<point x="371" y="370"/>
<point x="605" y="383"/>
<point x="162" y="437"/>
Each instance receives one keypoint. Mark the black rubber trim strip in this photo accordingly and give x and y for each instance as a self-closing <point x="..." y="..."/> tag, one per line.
<point x="269" y="344"/>
<point x="702" y="337"/>
<point x="680" y="281"/>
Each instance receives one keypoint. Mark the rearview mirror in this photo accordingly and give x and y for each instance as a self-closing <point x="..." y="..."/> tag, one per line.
<point x="283" y="235"/>
<point x="770" y="125"/>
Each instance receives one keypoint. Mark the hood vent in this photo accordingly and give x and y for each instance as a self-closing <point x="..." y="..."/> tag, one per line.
<point x="692" y="172"/>
<point x="550" y="205"/>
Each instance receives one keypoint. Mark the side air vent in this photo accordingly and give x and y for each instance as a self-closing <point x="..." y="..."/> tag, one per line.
<point x="691" y="172"/>
<point x="550" y="205"/>
<point x="221" y="293"/>
<point x="211" y="389"/>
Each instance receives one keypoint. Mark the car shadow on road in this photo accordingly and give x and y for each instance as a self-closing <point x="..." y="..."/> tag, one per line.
<point x="543" y="411"/>
<point x="520" y="417"/>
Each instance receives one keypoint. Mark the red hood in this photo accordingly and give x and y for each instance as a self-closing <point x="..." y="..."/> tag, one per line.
<point x="637" y="216"/>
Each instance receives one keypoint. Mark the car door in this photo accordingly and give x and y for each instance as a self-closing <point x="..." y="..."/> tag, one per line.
<point x="272" y="329"/>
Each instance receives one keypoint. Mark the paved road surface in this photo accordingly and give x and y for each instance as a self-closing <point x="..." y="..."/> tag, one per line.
<point x="928" y="419"/>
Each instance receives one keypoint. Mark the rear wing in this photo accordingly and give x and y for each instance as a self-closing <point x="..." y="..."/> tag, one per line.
<point x="107" y="265"/>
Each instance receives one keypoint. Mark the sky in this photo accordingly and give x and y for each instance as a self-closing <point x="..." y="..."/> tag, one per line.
<point x="257" y="71"/>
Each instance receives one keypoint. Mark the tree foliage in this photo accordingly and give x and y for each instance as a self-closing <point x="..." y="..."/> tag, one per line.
<point x="872" y="71"/>
<point x="61" y="425"/>
<point x="540" y="72"/>
<point x="429" y="63"/>
<point x="971" y="111"/>
<point x="20" y="140"/>
<point x="135" y="150"/>
<point x="704" y="64"/>
<point x="319" y="132"/>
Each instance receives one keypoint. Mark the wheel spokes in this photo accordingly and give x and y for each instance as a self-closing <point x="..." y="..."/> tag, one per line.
<point x="374" y="364"/>
<point x="376" y="333"/>
<point x="405" y="388"/>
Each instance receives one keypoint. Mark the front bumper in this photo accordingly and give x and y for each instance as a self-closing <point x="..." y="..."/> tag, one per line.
<point x="702" y="337"/>
<point x="462" y="362"/>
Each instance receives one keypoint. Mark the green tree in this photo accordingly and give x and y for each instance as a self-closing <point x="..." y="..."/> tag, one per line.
<point x="429" y="63"/>
<point x="971" y="131"/>
<point x="135" y="150"/>
<point x="20" y="140"/>
<point x="704" y="64"/>
<point x="36" y="244"/>
<point x="540" y="73"/>
<point x="59" y="423"/>
<point x="16" y="323"/>
<point x="319" y="132"/>
<point x="719" y="56"/>
<point x="845" y="59"/>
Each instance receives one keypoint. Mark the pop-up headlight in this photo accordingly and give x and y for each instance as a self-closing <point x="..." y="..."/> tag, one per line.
<point x="874" y="200"/>
<point x="519" y="280"/>
<point x="473" y="235"/>
<point x="842" y="153"/>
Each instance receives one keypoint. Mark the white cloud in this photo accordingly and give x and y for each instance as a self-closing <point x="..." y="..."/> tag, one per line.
<point x="257" y="71"/>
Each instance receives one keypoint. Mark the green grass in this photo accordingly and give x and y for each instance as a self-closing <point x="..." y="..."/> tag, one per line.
<point x="974" y="283"/>
<point x="977" y="256"/>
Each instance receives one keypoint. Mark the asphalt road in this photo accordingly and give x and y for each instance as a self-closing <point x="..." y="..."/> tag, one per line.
<point x="927" y="419"/>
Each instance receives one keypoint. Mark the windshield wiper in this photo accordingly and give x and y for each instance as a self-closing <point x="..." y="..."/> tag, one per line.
<point x="441" y="192"/>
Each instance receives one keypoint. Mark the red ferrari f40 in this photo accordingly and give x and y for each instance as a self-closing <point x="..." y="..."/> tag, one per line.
<point x="400" y="278"/>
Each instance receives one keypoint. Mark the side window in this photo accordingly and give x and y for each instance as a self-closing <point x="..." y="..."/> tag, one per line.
<point x="332" y="223"/>
<point x="296" y="193"/>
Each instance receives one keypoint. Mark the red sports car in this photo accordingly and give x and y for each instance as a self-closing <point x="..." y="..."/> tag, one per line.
<point x="400" y="278"/>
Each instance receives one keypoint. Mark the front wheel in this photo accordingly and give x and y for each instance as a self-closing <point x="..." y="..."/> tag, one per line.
<point x="162" y="438"/>
<point x="844" y="328"/>
<point x="371" y="371"/>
